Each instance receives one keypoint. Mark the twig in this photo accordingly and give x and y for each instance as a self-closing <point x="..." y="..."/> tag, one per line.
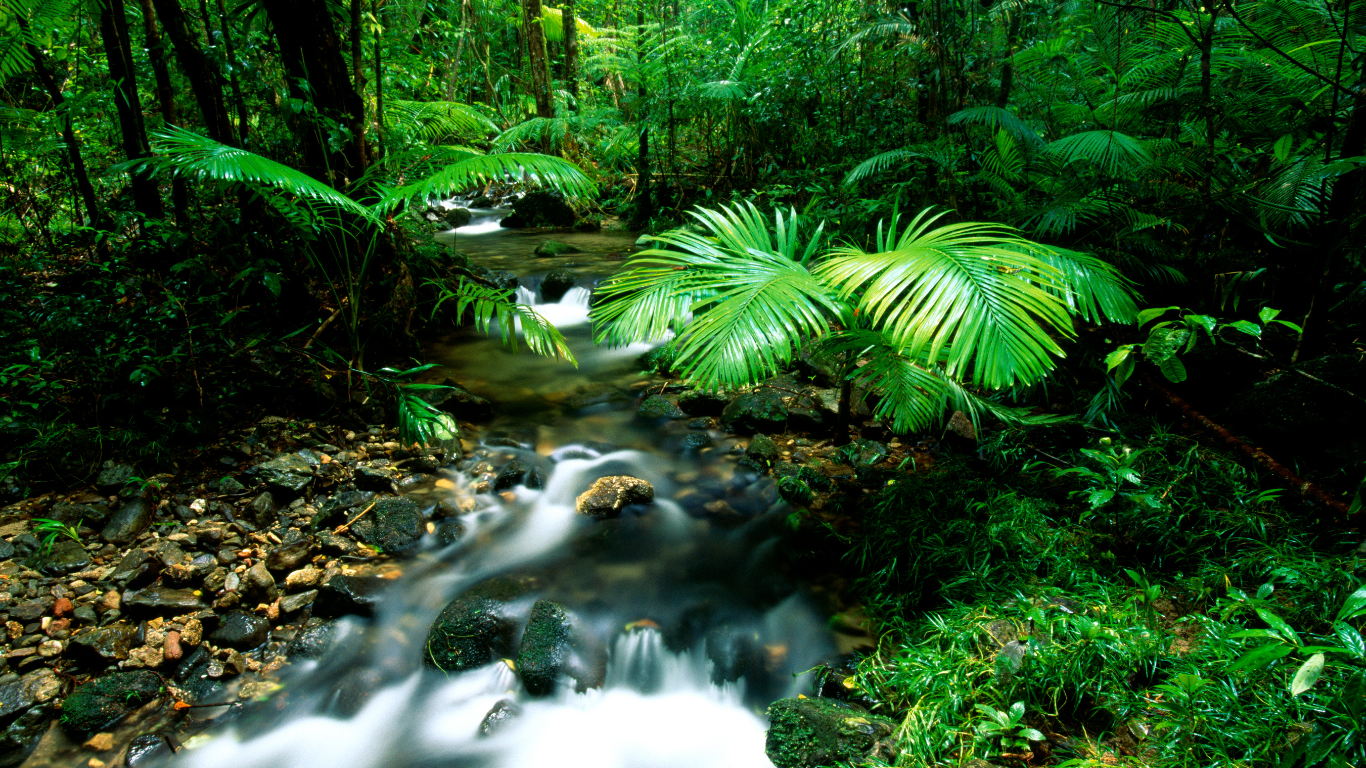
<point x="323" y="327"/>
<point x="1059" y="461"/>
<point x="341" y="528"/>
<point x="1304" y="487"/>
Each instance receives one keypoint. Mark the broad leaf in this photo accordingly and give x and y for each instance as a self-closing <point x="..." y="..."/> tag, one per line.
<point x="1307" y="675"/>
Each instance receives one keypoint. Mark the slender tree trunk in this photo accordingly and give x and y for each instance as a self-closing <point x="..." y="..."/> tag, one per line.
<point x="357" y="71"/>
<point x="645" y="208"/>
<point x="540" y="67"/>
<point x="118" y="52"/>
<point x="312" y="53"/>
<point x="379" y="81"/>
<point x="453" y="77"/>
<point x="571" y="51"/>
<point x="1007" y="68"/>
<point x="207" y="92"/>
<point x="156" y="51"/>
<point x="73" y="148"/>
<point x="242" y="127"/>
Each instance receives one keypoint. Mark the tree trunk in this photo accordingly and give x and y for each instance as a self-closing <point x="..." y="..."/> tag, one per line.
<point x="73" y="148"/>
<point x="645" y="208"/>
<point x="118" y="52"/>
<point x="1007" y="68"/>
<point x="156" y="51"/>
<point x="571" y="51"/>
<point x="540" y="67"/>
<point x="312" y="52"/>
<point x="203" y="80"/>
<point x="357" y="73"/>
<point x="238" y="101"/>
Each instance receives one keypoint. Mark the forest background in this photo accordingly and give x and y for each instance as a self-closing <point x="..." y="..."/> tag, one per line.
<point x="205" y="212"/>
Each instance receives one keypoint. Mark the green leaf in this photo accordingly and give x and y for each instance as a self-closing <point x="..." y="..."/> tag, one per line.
<point x="1267" y="314"/>
<point x="1352" y="604"/>
<point x="1261" y="656"/>
<point x="1148" y="315"/>
<point x="1173" y="369"/>
<point x="1118" y="356"/>
<point x="1307" y="675"/>
<point x="1246" y="326"/>
<point x="1278" y="624"/>
<point x="1164" y="342"/>
<point x="1033" y="734"/>
<point x="1283" y="147"/>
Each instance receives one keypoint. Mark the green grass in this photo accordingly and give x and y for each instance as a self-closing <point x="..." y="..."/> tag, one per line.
<point x="1139" y="630"/>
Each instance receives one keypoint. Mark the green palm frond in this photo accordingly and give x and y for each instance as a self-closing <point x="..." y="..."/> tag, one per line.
<point x="976" y="292"/>
<point x="433" y="120"/>
<point x="997" y="119"/>
<point x="420" y="422"/>
<point x="182" y="152"/>
<point x="43" y="21"/>
<point x="489" y="305"/>
<point x="752" y="302"/>
<point x="552" y="23"/>
<point x="550" y="132"/>
<point x="877" y="164"/>
<point x="481" y="169"/>
<point x="1092" y="288"/>
<point x="1114" y="153"/>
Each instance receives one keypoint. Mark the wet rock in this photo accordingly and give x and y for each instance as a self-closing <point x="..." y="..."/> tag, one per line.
<point x="556" y="284"/>
<point x="866" y="453"/>
<point x="734" y="653"/>
<point x="66" y="556"/>
<point x="21" y="735"/>
<point x="231" y="486"/>
<point x="262" y="512"/>
<point x="552" y="248"/>
<point x="336" y="544"/>
<point x="111" y="480"/>
<point x="101" y="703"/>
<point x="287" y="557"/>
<point x="659" y="359"/>
<point x="696" y="441"/>
<point x="124" y="525"/>
<point x="608" y="495"/>
<point x="32" y="609"/>
<point x="394" y="525"/>
<point x="374" y="479"/>
<point x="288" y="474"/>
<point x="313" y="643"/>
<point x="761" y="411"/>
<point x="476" y="627"/>
<point x="502" y="713"/>
<point x="298" y="602"/>
<point x="540" y="208"/>
<point x="136" y="563"/>
<point x="146" y="750"/>
<point x="807" y="733"/>
<point x="240" y="630"/>
<point x="503" y="279"/>
<point x="76" y="514"/>
<point x="349" y="595"/>
<point x="545" y="647"/>
<point x="700" y="402"/>
<point x="457" y="217"/>
<point x="258" y="581"/>
<point x="305" y="577"/>
<point x="762" y="450"/>
<point x="7" y="550"/>
<point x="161" y="600"/>
<point x="518" y="472"/>
<point x="458" y="401"/>
<point x="34" y="688"/>
<point x="449" y="531"/>
<point x="659" y="407"/>
<point x="111" y="643"/>
<point x="706" y="422"/>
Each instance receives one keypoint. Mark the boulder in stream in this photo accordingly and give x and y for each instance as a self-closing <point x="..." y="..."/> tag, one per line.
<point x="101" y="703"/>
<point x="478" y="626"/>
<point x="540" y="208"/>
<point x="762" y="411"/>
<point x="608" y="495"/>
<point x="545" y="647"/>
<point x="395" y="525"/>
<point x="556" y="284"/>
<point x="552" y="248"/>
<point x="811" y="733"/>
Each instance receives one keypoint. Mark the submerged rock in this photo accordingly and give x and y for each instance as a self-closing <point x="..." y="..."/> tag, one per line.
<point x="476" y="627"/>
<point x="101" y="703"/>
<point x="810" y="733"/>
<point x="608" y="495"/>
<point x="349" y="595"/>
<point x="517" y="472"/>
<point x="551" y="248"/>
<point x="556" y="285"/>
<point x="545" y="647"/>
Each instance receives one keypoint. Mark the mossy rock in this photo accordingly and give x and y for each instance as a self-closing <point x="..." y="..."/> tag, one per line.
<point x="394" y="525"/>
<point x="762" y="450"/>
<point x="659" y="407"/>
<point x="101" y="703"/>
<point x="762" y="411"/>
<point x="476" y="627"/>
<point x="545" y="647"/>
<point x="701" y="402"/>
<point x="809" y="733"/>
<point x="552" y="248"/>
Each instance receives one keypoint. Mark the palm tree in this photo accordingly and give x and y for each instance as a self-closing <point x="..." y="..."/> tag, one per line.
<point x="928" y="313"/>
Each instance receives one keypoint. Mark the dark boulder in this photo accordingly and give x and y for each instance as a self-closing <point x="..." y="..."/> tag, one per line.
<point x="75" y="514"/>
<point x="762" y="411"/>
<point x="111" y="643"/>
<point x="241" y="630"/>
<point x="66" y="556"/>
<point x="291" y="555"/>
<point x="112" y="479"/>
<point x="545" y="647"/>
<point x="262" y="512"/>
<point x="502" y="713"/>
<point x="161" y="601"/>
<point x="701" y="402"/>
<point x="518" y="472"/>
<point x="811" y="733"/>
<point x="395" y="525"/>
<point x="101" y="703"/>
<point x="656" y="407"/>
<point x="762" y="450"/>
<point x="288" y="474"/>
<point x="556" y="284"/>
<point x="349" y="595"/>
<point x="124" y="525"/>
<point x="457" y="217"/>
<point x="478" y="626"/>
<point x="540" y="208"/>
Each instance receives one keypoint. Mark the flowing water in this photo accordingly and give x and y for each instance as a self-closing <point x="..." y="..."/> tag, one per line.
<point x="691" y="600"/>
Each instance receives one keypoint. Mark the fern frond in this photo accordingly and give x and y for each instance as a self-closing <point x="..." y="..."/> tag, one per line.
<point x="479" y="170"/>
<point x="1114" y="153"/>
<point x="877" y="164"/>
<point x="997" y="119"/>
<point x="493" y="305"/>
<point x="434" y="120"/>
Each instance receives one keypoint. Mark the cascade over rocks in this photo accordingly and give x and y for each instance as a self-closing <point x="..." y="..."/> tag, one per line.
<point x="556" y="284"/>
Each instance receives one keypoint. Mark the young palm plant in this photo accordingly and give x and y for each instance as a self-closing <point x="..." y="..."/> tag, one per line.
<point x="928" y="316"/>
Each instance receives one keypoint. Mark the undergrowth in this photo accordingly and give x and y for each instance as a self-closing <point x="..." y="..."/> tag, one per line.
<point x="1134" y="602"/>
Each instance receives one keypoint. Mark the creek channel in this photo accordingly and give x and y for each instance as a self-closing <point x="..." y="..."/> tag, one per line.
<point x="697" y="614"/>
